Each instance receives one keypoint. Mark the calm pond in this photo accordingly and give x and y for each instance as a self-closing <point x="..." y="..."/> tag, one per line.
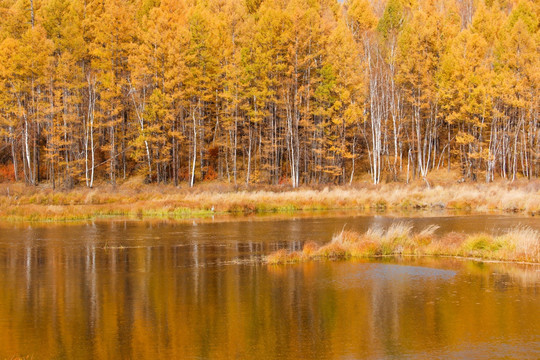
<point x="170" y="290"/>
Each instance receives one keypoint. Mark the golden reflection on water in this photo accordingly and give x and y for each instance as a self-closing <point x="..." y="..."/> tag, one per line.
<point x="141" y="300"/>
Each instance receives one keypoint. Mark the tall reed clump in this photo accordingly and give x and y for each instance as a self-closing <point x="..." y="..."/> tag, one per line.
<point x="517" y="244"/>
<point x="520" y="243"/>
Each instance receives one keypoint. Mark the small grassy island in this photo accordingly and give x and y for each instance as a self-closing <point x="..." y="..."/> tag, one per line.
<point x="521" y="244"/>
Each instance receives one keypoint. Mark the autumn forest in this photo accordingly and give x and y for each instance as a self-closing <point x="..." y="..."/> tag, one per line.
<point x="268" y="91"/>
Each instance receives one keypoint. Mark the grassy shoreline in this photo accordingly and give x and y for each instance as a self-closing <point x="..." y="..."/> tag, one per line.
<point x="24" y="203"/>
<point x="520" y="244"/>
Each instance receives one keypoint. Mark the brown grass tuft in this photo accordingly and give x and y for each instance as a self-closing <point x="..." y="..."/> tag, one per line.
<point x="282" y="256"/>
<point x="310" y="248"/>
<point x="346" y="237"/>
<point x="333" y="250"/>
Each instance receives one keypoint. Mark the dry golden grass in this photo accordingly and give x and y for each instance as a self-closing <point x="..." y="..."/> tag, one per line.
<point x="310" y="248"/>
<point x="20" y="202"/>
<point x="517" y="244"/>
<point x="333" y="250"/>
<point x="284" y="257"/>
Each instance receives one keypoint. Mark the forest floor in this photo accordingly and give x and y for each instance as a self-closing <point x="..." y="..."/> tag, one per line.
<point x="519" y="244"/>
<point x="19" y="202"/>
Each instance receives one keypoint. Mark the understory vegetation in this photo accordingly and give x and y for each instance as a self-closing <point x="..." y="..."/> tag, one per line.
<point x="517" y="244"/>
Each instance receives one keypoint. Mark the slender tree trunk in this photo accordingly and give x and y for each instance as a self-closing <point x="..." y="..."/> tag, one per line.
<point x="14" y="154"/>
<point x="192" y="178"/>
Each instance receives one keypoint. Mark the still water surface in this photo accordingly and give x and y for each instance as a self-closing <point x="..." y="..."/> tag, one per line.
<point x="165" y="290"/>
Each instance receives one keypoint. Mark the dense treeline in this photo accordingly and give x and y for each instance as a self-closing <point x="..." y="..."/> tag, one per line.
<point x="302" y="91"/>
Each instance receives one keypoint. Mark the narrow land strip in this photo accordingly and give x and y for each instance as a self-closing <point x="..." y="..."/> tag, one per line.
<point x="26" y="203"/>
